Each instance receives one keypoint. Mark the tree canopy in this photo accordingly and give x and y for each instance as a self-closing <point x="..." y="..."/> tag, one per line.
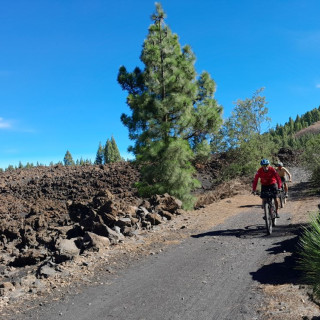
<point x="172" y="108"/>
<point x="68" y="160"/>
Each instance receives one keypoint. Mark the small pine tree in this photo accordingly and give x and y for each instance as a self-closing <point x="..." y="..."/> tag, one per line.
<point x="29" y="165"/>
<point x="116" y="152"/>
<point x="10" y="167"/>
<point x="68" y="160"/>
<point x="100" y="155"/>
<point x="108" y="152"/>
<point x="111" y="151"/>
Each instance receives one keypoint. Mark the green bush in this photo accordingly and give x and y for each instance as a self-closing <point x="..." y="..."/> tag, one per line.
<point x="309" y="261"/>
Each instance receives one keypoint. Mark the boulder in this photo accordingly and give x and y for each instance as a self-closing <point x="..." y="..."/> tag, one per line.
<point x="66" y="249"/>
<point x="95" y="243"/>
<point x="104" y="231"/>
<point x="154" y="218"/>
<point x="166" y="202"/>
<point x="124" y="222"/>
<point x="166" y="214"/>
<point x="46" y="271"/>
<point x="6" y="287"/>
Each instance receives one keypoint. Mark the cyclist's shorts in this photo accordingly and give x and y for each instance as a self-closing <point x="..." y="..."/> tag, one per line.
<point x="273" y="188"/>
<point x="283" y="179"/>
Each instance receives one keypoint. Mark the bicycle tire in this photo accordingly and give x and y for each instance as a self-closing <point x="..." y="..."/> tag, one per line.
<point x="283" y="195"/>
<point x="273" y="213"/>
<point x="268" y="218"/>
<point x="281" y="199"/>
<point x="274" y="218"/>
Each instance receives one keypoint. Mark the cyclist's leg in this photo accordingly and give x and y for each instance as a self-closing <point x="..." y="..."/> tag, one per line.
<point x="263" y="190"/>
<point x="285" y="185"/>
<point x="274" y="188"/>
<point x="286" y="188"/>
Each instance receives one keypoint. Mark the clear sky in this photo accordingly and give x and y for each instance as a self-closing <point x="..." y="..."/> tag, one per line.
<point x="59" y="61"/>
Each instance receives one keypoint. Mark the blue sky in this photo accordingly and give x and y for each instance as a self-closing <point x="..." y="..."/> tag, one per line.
<point x="59" y="61"/>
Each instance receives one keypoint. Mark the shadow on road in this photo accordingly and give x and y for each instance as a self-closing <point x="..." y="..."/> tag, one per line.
<point x="275" y="273"/>
<point x="302" y="190"/>
<point x="281" y="272"/>
<point x="250" y="206"/>
<point x="253" y="231"/>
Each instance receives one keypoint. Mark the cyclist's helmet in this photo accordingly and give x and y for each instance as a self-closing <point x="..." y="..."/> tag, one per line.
<point x="264" y="162"/>
<point x="280" y="164"/>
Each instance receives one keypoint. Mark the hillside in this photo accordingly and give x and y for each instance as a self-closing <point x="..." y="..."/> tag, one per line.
<point x="312" y="129"/>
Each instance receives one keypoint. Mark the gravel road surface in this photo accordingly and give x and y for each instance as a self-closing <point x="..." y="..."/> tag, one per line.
<point x="211" y="275"/>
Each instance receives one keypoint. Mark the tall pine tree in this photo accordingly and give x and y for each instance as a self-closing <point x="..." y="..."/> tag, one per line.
<point x="173" y="112"/>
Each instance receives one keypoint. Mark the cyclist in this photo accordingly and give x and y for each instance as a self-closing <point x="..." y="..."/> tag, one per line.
<point x="283" y="172"/>
<point x="270" y="181"/>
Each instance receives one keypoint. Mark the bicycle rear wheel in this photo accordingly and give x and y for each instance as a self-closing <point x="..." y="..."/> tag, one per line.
<point x="268" y="217"/>
<point x="281" y="199"/>
<point x="273" y="213"/>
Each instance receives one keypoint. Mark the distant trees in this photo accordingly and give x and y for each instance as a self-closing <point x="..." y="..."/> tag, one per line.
<point x="105" y="154"/>
<point x="100" y="155"/>
<point x="174" y="112"/>
<point x="285" y="135"/>
<point x="109" y="153"/>
<point x="68" y="160"/>
<point x="241" y="136"/>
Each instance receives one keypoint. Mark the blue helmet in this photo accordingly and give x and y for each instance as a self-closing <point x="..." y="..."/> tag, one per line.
<point x="264" y="162"/>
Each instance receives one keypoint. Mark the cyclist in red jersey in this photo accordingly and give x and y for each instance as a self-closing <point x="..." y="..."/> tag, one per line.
<point x="270" y="181"/>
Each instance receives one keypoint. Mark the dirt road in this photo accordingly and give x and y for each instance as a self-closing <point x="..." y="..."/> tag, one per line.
<point x="213" y="264"/>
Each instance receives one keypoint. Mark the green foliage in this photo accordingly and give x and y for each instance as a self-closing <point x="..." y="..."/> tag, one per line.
<point x="111" y="151"/>
<point x="10" y="168"/>
<point x="202" y="151"/>
<point x="116" y="152"/>
<point x="169" y="170"/>
<point x="246" y="120"/>
<point x="284" y="135"/>
<point x="171" y="105"/>
<point x="83" y="162"/>
<point x="309" y="262"/>
<point x="312" y="157"/>
<point x="100" y="155"/>
<point x="241" y="137"/>
<point x="68" y="160"/>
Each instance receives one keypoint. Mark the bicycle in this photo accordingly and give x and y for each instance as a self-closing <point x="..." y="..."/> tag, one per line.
<point x="269" y="208"/>
<point x="282" y="197"/>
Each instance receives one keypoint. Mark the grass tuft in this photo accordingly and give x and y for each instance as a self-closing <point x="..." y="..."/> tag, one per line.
<point x="309" y="261"/>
